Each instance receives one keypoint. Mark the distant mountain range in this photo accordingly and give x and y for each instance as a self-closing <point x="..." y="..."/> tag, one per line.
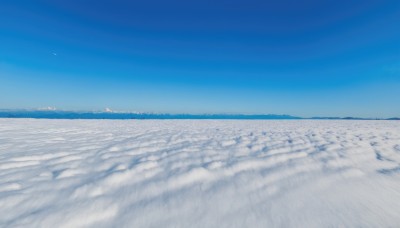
<point x="350" y="118"/>
<point x="45" y="114"/>
<point x="54" y="114"/>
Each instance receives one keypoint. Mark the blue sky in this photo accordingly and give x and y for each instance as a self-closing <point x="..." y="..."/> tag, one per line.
<point x="306" y="58"/>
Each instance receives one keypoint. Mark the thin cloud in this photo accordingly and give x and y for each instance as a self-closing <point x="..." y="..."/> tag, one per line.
<point x="47" y="109"/>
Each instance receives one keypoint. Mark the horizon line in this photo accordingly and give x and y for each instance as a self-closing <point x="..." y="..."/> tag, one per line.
<point x="110" y="114"/>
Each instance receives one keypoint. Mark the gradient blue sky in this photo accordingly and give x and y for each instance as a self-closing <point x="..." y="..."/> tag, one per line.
<point x="306" y="58"/>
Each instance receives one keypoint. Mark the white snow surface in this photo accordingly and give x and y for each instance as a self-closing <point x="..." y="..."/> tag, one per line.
<point x="199" y="173"/>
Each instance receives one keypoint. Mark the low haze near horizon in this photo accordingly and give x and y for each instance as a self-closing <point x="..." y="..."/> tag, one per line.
<point x="303" y="58"/>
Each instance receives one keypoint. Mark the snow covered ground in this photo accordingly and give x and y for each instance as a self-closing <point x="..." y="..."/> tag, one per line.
<point x="199" y="173"/>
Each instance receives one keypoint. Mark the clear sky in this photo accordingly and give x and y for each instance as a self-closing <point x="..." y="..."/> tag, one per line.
<point x="306" y="58"/>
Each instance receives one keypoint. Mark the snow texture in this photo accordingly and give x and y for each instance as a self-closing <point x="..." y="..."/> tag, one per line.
<point x="199" y="173"/>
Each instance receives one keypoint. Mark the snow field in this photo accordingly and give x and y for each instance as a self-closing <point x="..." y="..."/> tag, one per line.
<point x="199" y="173"/>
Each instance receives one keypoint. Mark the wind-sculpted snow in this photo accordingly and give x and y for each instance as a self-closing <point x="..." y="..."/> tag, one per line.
<point x="199" y="173"/>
